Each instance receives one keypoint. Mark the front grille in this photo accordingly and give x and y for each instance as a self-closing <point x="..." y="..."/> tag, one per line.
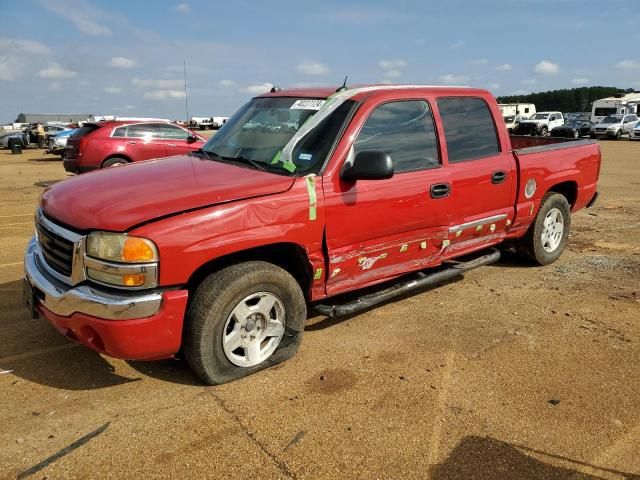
<point x="57" y="251"/>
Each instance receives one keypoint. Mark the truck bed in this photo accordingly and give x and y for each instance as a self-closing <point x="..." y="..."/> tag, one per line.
<point x="524" y="144"/>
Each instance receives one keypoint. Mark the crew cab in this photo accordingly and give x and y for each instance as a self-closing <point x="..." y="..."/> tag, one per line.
<point x="220" y="253"/>
<point x="114" y="143"/>
<point x="614" y="126"/>
<point x="541" y="123"/>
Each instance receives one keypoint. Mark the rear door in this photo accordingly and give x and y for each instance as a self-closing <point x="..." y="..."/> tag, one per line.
<point x="378" y="229"/>
<point x="142" y="141"/>
<point x="483" y="177"/>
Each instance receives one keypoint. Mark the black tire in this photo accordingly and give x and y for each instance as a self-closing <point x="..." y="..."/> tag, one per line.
<point x="576" y="134"/>
<point x="212" y="304"/>
<point x="592" y="135"/>
<point x="619" y="134"/>
<point x="114" y="162"/>
<point x="544" y="131"/>
<point x="531" y="244"/>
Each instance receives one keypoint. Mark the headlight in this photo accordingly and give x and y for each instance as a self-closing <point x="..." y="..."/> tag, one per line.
<point x="121" y="260"/>
<point x="117" y="247"/>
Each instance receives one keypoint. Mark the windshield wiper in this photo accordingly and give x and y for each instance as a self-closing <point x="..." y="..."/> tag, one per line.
<point x="202" y="151"/>
<point x="253" y="163"/>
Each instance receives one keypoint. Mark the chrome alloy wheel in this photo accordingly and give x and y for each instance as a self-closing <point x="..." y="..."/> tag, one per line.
<point x="254" y="329"/>
<point x="553" y="230"/>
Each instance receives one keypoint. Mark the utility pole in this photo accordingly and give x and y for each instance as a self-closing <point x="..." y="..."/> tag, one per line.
<point x="186" y="98"/>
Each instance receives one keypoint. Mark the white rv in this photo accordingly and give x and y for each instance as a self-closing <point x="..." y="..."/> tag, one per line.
<point x="523" y="110"/>
<point x="616" y="105"/>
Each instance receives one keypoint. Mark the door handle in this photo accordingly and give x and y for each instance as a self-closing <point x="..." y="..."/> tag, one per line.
<point x="171" y="145"/>
<point x="440" y="190"/>
<point x="498" y="177"/>
<point x="131" y="142"/>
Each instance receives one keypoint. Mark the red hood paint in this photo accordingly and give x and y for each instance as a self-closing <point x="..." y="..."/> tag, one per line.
<point x="118" y="198"/>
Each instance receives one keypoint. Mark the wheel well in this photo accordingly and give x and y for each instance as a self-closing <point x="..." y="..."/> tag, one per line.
<point x="115" y="156"/>
<point x="568" y="189"/>
<point x="289" y="256"/>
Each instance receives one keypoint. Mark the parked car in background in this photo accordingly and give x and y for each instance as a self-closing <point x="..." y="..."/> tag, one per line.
<point x="541" y="123"/>
<point x="512" y="122"/>
<point x="58" y="143"/>
<point x="218" y="254"/>
<point x="114" y="143"/>
<point x="614" y="126"/>
<point x="4" y="138"/>
<point x="575" y="128"/>
<point x="634" y="133"/>
<point x="201" y="123"/>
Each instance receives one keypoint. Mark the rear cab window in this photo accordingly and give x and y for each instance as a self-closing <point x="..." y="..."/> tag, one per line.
<point x="469" y="128"/>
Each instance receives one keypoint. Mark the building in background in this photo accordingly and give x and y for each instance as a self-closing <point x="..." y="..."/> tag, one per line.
<point x="51" y="117"/>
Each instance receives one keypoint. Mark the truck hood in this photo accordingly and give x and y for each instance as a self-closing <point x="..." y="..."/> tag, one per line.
<point x="119" y="198"/>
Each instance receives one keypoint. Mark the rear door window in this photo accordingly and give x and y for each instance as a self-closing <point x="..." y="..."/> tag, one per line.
<point x="468" y="128"/>
<point x="142" y="130"/>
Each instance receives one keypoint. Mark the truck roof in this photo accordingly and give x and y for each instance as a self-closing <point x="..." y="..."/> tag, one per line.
<point x="360" y="91"/>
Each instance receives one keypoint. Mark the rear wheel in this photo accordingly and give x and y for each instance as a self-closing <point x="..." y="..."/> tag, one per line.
<point x="547" y="237"/>
<point x="576" y="134"/>
<point x="114" y="162"/>
<point x="242" y="319"/>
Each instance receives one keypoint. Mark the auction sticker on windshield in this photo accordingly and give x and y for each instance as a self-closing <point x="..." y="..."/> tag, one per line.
<point x="307" y="105"/>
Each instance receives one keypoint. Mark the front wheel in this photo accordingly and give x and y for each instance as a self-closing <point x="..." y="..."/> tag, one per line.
<point x="544" y="132"/>
<point x="618" y="134"/>
<point x="547" y="237"/>
<point x="242" y="319"/>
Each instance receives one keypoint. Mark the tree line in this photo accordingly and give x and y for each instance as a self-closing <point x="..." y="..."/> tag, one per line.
<point x="565" y="100"/>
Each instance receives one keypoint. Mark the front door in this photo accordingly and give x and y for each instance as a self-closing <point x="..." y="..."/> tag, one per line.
<point x="379" y="229"/>
<point x="482" y="176"/>
<point x="175" y="140"/>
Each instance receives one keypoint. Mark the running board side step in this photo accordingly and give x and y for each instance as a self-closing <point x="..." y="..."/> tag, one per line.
<point x="406" y="286"/>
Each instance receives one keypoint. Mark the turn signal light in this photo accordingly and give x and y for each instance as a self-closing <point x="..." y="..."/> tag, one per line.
<point x="138" y="250"/>
<point x="135" y="280"/>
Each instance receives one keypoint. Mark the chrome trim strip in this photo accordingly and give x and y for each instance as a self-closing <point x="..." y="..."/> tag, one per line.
<point x="149" y="269"/>
<point x="63" y="300"/>
<point x="475" y="223"/>
<point x="58" y="230"/>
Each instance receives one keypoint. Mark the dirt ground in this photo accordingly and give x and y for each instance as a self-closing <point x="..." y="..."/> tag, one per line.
<point x="514" y="372"/>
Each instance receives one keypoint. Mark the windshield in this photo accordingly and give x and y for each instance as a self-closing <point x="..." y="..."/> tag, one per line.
<point x="258" y="132"/>
<point x="540" y="116"/>
<point x="611" y="119"/>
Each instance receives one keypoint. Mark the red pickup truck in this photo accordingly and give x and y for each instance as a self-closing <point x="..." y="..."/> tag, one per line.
<point x="117" y="142"/>
<point x="303" y="195"/>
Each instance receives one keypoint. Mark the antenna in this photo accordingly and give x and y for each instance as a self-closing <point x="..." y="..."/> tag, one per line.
<point x="344" y="85"/>
<point x="186" y="98"/>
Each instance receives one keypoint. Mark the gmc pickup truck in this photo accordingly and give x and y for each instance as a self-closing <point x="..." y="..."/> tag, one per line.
<point x="218" y="254"/>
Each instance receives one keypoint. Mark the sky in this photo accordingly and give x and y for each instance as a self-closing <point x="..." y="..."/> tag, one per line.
<point x="126" y="57"/>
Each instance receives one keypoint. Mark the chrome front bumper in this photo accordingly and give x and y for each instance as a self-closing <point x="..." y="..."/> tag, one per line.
<point x="64" y="300"/>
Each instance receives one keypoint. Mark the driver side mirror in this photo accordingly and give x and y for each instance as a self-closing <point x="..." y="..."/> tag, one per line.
<point x="369" y="165"/>
<point x="192" y="138"/>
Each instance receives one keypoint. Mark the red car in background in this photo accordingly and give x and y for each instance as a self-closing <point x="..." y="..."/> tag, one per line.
<point x="114" y="143"/>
